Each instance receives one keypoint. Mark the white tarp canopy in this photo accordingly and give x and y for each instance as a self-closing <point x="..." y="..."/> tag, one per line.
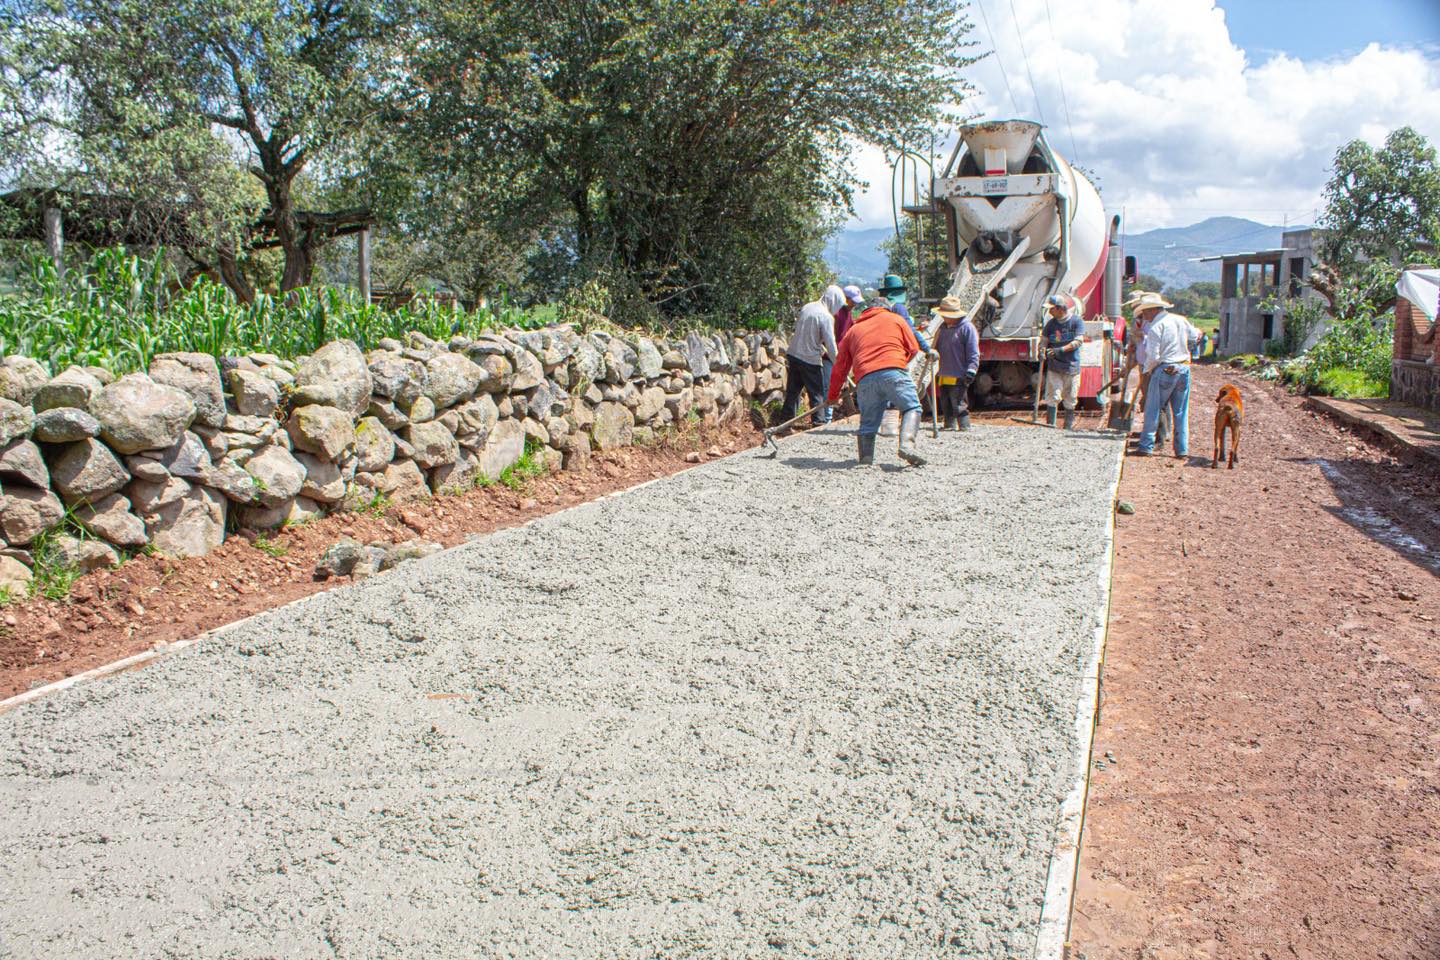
<point x="1422" y="288"/>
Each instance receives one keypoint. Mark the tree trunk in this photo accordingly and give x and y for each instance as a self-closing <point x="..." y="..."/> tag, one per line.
<point x="278" y="176"/>
<point x="233" y="276"/>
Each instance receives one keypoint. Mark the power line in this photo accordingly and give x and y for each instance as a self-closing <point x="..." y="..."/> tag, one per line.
<point x="995" y="52"/>
<point x="1034" y="90"/>
<point x="1064" y="99"/>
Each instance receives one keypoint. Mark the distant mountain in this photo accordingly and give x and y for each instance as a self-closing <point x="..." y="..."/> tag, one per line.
<point x="1165" y="253"/>
<point x="855" y="255"/>
<point x="1168" y="253"/>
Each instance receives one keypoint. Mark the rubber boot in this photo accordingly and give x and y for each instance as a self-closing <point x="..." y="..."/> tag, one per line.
<point x="865" y="449"/>
<point x="1050" y="416"/>
<point x="889" y="424"/>
<point x="909" y="427"/>
<point x="964" y="422"/>
<point x="1069" y="419"/>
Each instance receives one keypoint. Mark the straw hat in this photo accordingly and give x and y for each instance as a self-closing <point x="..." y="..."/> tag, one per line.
<point x="1148" y="301"/>
<point x="950" y="308"/>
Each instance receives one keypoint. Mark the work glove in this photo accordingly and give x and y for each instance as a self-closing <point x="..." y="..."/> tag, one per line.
<point x="1053" y="352"/>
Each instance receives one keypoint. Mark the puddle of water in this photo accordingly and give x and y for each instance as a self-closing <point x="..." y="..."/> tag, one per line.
<point x="1375" y="523"/>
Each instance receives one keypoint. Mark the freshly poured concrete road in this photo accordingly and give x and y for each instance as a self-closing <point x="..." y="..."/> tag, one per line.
<point x="761" y="708"/>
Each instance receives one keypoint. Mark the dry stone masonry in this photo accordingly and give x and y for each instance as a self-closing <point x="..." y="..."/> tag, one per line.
<point x="174" y="457"/>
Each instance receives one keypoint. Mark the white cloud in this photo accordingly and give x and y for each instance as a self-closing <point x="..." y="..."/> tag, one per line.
<point x="1172" y="116"/>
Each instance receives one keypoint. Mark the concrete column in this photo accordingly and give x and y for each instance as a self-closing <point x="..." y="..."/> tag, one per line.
<point x="55" y="238"/>
<point x="364" y="252"/>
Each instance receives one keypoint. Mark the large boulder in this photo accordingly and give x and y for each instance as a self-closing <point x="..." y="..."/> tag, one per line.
<point x="21" y="378"/>
<point x="197" y="375"/>
<point x="15" y="579"/>
<point x="186" y="457"/>
<point x="84" y="555"/>
<point x="403" y="480"/>
<point x="457" y="476"/>
<point x="499" y="372"/>
<point x="293" y="511"/>
<point x="65" y="425"/>
<point x="278" y="475"/>
<point x="15" y="420"/>
<point x="256" y="395"/>
<point x="648" y="363"/>
<point x="434" y="445"/>
<point x="695" y="351"/>
<point x="613" y="427"/>
<point x="587" y="365"/>
<point x="110" y="519"/>
<point x="374" y="445"/>
<point x="87" y="471"/>
<point x="21" y="460"/>
<point x="529" y="371"/>
<point x="503" y="448"/>
<point x="136" y="413"/>
<point x="73" y="387"/>
<point x="652" y="401"/>
<point x="479" y="416"/>
<point x="551" y="346"/>
<point x="191" y="526"/>
<point x="620" y="360"/>
<point x="148" y="497"/>
<point x="451" y="378"/>
<point x="323" y="480"/>
<point x="27" y="512"/>
<point x="233" y="481"/>
<point x="325" y="431"/>
<point x="396" y="377"/>
<point x="336" y="375"/>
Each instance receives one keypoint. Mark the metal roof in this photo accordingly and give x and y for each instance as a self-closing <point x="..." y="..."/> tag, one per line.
<point x="1253" y="256"/>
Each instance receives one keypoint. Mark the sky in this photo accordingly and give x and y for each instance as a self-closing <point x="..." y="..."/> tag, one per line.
<point x="1187" y="109"/>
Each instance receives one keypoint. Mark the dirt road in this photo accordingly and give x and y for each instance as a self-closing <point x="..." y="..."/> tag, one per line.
<point x="761" y="708"/>
<point x="1268" y="776"/>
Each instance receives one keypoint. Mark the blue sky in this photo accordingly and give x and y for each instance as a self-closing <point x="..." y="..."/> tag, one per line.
<point x="1321" y="29"/>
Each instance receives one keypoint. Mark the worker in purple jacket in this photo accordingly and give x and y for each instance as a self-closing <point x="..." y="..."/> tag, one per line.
<point x="958" y="344"/>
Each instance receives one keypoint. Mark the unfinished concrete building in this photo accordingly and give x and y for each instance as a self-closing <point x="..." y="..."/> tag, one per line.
<point x="1247" y="280"/>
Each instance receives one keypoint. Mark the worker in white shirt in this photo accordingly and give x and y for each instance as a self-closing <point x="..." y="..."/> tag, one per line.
<point x="1167" y="345"/>
<point x="1136" y="360"/>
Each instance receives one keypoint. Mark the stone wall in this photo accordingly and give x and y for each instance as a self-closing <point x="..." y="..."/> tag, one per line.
<point x="1415" y="382"/>
<point x="176" y="457"/>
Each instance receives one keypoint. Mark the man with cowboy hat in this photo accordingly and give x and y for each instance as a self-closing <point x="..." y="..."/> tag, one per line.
<point x="879" y="348"/>
<point x="958" y="344"/>
<point x="1064" y="334"/>
<point x="1166" y="352"/>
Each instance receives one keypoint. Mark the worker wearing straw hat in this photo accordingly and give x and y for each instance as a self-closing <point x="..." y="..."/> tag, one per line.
<point x="1168" y="340"/>
<point x="958" y="344"/>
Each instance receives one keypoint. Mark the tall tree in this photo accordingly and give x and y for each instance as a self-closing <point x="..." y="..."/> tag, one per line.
<point x="694" y="147"/>
<point x="1379" y="204"/>
<point x="168" y="99"/>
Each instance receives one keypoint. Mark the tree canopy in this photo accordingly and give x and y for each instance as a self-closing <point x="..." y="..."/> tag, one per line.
<point x="1380" y="204"/>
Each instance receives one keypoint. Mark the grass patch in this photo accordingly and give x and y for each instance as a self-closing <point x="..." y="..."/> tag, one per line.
<point x="53" y="577"/>
<point x="377" y="506"/>
<point x="270" y="548"/>
<point x="531" y="464"/>
<point x="1349" y="384"/>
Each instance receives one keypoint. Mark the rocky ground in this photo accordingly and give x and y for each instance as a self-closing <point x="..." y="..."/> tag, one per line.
<point x="1266" y="781"/>
<point x="721" y="715"/>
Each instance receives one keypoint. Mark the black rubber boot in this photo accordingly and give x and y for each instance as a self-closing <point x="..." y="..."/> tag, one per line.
<point x="1069" y="419"/>
<point x="909" y="428"/>
<point x="1050" y="416"/>
<point x="865" y="449"/>
<point x="964" y="422"/>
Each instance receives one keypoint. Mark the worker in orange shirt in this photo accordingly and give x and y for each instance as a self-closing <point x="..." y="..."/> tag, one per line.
<point x="879" y="347"/>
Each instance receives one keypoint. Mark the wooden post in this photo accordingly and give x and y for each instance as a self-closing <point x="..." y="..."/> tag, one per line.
<point x="55" y="239"/>
<point x="364" y="250"/>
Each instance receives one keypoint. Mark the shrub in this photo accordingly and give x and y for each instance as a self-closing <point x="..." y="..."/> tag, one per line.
<point x="1349" y="384"/>
<point x="1361" y="344"/>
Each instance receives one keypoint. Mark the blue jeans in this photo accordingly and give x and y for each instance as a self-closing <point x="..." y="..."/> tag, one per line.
<point x="881" y="390"/>
<point x="822" y="415"/>
<point x="1168" y="390"/>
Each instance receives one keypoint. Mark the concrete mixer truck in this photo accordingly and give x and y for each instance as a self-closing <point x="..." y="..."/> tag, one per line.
<point x="1022" y="224"/>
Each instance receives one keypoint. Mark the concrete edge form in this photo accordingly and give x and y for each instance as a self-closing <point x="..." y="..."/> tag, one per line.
<point x="1052" y="939"/>
<point x="141" y="659"/>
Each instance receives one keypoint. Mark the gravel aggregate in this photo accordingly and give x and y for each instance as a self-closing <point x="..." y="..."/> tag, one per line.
<point x="784" y="707"/>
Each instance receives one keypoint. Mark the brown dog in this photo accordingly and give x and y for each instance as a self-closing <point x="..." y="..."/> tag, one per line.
<point x="1229" y="415"/>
